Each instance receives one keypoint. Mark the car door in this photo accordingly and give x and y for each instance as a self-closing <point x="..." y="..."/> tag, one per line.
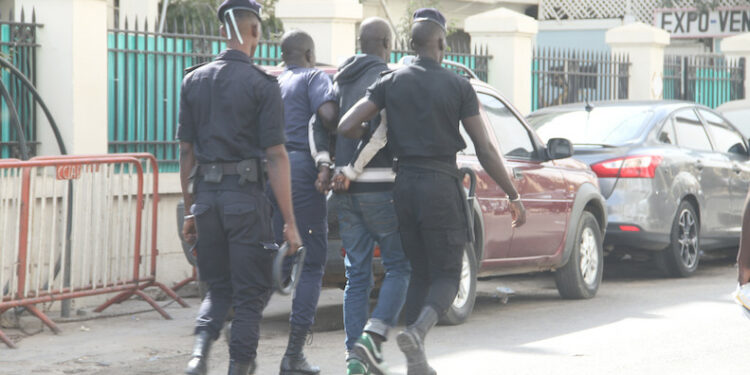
<point x="492" y="201"/>
<point x="541" y="185"/>
<point x="730" y="143"/>
<point x="710" y="170"/>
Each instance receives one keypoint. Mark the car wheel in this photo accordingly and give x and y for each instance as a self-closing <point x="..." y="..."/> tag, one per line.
<point x="681" y="257"/>
<point x="581" y="275"/>
<point x="463" y="304"/>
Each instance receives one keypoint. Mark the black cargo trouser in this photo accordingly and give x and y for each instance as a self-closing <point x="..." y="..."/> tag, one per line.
<point x="432" y="222"/>
<point x="233" y="227"/>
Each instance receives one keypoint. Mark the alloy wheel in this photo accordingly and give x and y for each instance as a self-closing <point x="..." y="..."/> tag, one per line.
<point x="687" y="238"/>
<point x="464" y="285"/>
<point x="589" y="256"/>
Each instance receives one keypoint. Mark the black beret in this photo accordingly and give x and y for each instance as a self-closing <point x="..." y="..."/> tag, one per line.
<point x="249" y="5"/>
<point x="430" y="15"/>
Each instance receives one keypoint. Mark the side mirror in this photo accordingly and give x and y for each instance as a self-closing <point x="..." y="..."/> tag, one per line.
<point x="559" y="148"/>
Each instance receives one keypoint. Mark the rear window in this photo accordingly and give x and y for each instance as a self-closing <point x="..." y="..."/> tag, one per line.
<point x="741" y="120"/>
<point x="614" y="126"/>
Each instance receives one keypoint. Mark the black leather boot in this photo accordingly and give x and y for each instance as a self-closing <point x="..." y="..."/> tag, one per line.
<point x="294" y="361"/>
<point x="199" y="361"/>
<point x="241" y="368"/>
<point x="411" y="342"/>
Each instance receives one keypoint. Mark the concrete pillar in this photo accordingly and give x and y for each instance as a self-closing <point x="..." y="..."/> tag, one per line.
<point x="72" y="72"/>
<point x="508" y="36"/>
<point x="736" y="47"/>
<point x="644" y="44"/>
<point x="332" y="24"/>
<point x="141" y="10"/>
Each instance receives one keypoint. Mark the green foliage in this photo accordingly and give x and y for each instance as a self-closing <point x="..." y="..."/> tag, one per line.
<point x="180" y="12"/>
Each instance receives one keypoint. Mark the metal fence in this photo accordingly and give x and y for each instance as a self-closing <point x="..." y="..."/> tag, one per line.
<point x="561" y="76"/>
<point x="144" y="79"/>
<point x="478" y="61"/>
<point x="18" y="46"/>
<point x="709" y="79"/>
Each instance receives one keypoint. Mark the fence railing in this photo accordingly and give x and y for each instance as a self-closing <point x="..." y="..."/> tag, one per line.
<point x="562" y="76"/>
<point x="478" y="61"/>
<point x="76" y="226"/>
<point x="144" y="79"/>
<point x="18" y="46"/>
<point x="708" y="79"/>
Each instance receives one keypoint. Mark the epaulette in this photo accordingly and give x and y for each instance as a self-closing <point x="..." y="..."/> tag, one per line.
<point x="194" y="67"/>
<point x="387" y="72"/>
<point x="264" y="73"/>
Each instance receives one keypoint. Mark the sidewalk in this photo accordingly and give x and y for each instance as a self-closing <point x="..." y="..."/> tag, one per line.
<point x="114" y="342"/>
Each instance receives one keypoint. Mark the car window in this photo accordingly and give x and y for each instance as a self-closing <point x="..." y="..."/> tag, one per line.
<point x="690" y="131"/>
<point x="614" y="125"/>
<point x="726" y="139"/>
<point x="512" y="136"/>
<point x="666" y="134"/>
<point x="469" y="150"/>
<point x="740" y="119"/>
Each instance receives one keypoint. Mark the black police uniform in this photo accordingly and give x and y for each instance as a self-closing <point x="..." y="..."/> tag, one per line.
<point x="231" y="111"/>
<point x="424" y="103"/>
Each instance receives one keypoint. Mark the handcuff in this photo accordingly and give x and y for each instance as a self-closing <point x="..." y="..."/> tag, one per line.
<point x="284" y="285"/>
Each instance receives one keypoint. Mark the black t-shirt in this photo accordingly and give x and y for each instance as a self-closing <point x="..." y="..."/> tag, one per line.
<point x="424" y="103"/>
<point x="230" y="110"/>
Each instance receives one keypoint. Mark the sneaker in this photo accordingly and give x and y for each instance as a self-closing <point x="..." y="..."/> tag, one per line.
<point x="416" y="361"/>
<point x="369" y="351"/>
<point x="355" y="367"/>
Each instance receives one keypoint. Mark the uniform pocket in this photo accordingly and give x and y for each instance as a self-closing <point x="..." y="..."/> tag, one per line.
<point x="241" y="224"/>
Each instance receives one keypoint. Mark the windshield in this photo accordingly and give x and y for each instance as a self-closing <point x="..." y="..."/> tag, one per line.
<point x="740" y="119"/>
<point x="615" y="126"/>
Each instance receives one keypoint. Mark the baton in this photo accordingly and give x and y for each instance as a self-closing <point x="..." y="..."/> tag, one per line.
<point x="285" y="285"/>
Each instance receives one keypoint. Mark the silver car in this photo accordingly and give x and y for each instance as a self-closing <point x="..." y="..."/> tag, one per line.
<point x="675" y="175"/>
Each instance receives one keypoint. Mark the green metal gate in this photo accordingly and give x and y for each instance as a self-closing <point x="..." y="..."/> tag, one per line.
<point x="144" y="79"/>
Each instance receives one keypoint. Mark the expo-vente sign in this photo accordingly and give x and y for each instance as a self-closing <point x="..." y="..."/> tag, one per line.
<point x="694" y="23"/>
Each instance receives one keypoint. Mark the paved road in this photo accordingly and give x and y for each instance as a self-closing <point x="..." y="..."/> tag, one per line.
<point x="639" y="323"/>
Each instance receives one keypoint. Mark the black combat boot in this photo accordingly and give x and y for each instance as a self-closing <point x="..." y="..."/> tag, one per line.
<point x="241" y="368"/>
<point x="294" y="361"/>
<point x="411" y="342"/>
<point x="199" y="361"/>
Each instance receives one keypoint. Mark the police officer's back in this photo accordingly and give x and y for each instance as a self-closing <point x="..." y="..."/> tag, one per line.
<point x="231" y="117"/>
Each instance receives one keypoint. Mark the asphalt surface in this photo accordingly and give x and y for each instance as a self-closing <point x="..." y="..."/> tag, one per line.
<point x="639" y="323"/>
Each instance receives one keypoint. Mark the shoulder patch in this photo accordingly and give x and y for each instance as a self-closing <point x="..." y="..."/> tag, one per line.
<point x="194" y="67"/>
<point x="264" y="73"/>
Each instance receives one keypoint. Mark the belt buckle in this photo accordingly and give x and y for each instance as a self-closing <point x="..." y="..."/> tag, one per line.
<point x="213" y="174"/>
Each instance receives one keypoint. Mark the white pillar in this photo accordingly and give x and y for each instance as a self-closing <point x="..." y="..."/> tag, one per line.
<point x="72" y="72"/>
<point x="141" y="10"/>
<point x="736" y="47"/>
<point x="644" y="44"/>
<point x="508" y="36"/>
<point x="331" y="23"/>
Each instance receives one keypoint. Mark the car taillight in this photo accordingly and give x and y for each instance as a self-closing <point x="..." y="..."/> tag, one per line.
<point x="642" y="166"/>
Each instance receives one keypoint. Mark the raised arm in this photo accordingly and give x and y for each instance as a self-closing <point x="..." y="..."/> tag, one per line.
<point x="491" y="161"/>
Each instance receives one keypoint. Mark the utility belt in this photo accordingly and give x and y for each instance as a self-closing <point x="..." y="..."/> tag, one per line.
<point x="249" y="171"/>
<point x="449" y="169"/>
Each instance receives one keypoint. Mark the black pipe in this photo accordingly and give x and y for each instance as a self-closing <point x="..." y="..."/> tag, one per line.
<point x="14" y="119"/>
<point x="38" y="98"/>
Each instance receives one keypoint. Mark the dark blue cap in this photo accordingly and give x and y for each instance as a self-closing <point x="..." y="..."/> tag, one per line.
<point x="249" y="5"/>
<point x="430" y="15"/>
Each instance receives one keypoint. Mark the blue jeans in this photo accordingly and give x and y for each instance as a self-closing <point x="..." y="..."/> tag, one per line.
<point x="364" y="219"/>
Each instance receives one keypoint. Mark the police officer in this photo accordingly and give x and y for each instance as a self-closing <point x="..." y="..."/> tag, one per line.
<point x="231" y="117"/>
<point x="306" y="92"/>
<point x="424" y="104"/>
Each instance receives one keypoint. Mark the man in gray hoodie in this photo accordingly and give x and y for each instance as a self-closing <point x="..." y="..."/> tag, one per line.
<point x="364" y="198"/>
